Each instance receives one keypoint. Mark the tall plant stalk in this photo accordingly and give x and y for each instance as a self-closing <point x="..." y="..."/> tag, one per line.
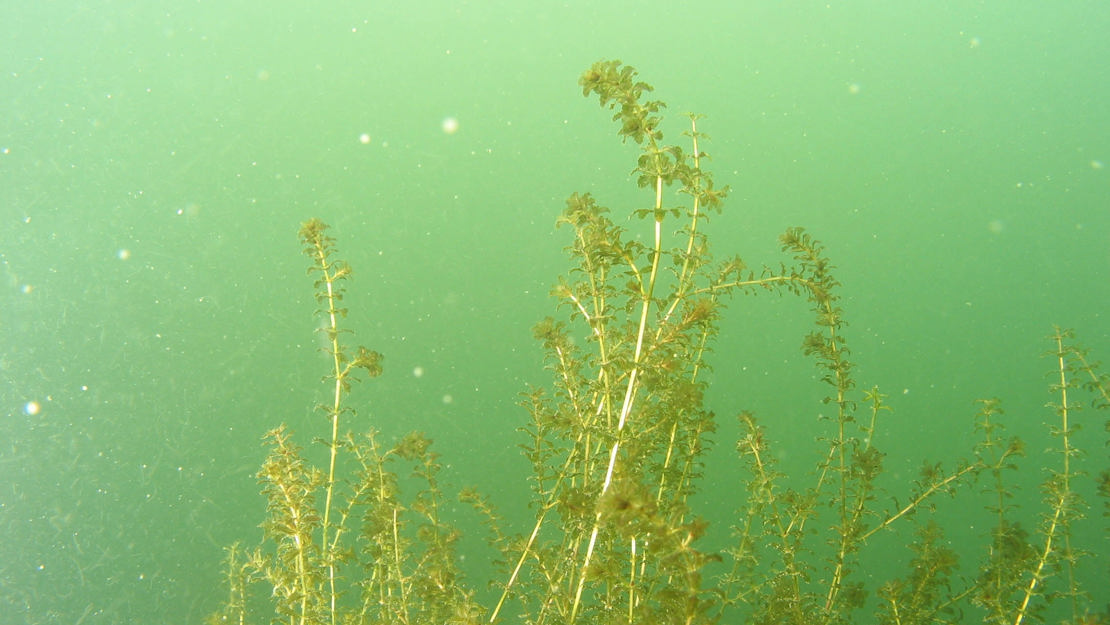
<point x="331" y="274"/>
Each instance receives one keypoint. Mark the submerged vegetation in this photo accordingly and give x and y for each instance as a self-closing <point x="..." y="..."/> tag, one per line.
<point x="616" y="444"/>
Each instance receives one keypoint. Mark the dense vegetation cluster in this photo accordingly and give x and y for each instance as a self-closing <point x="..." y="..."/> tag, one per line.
<point x="616" y="443"/>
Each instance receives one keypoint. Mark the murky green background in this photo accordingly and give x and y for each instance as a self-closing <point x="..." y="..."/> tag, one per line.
<point x="156" y="159"/>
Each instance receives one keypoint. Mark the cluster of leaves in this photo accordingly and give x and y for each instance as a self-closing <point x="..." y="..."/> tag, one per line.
<point x="353" y="550"/>
<point x="616" y="444"/>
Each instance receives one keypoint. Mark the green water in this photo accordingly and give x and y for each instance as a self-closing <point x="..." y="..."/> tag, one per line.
<point x="156" y="159"/>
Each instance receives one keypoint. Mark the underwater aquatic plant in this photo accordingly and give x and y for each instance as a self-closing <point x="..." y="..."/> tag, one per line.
<point x="616" y="446"/>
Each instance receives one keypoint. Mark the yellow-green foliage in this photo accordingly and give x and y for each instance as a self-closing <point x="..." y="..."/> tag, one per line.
<point x="616" y="444"/>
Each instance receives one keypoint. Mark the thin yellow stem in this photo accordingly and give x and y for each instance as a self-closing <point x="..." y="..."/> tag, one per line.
<point x="330" y="276"/>
<point x="1059" y="491"/>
